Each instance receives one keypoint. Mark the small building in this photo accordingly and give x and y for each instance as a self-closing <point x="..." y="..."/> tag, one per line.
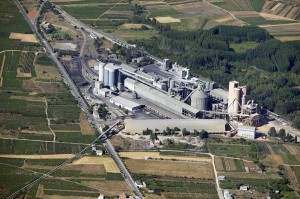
<point x="104" y="92"/>
<point x="137" y="60"/>
<point x="244" y="188"/>
<point x="125" y="103"/>
<point x="99" y="152"/>
<point x="247" y="169"/>
<point x="222" y="178"/>
<point x="93" y="36"/>
<point x="101" y="197"/>
<point x="228" y="195"/>
<point x="140" y="184"/>
<point x="246" y="131"/>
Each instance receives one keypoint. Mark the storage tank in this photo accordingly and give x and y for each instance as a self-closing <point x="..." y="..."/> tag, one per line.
<point x="112" y="78"/>
<point x="199" y="99"/>
<point x="101" y="71"/>
<point x="237" y="99"/>
<point x="106" y="77"/>
<point x="172" y="84"/>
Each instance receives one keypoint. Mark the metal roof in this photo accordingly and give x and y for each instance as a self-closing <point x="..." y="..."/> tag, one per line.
<point x="219" y="93"/>
<point x="163" y="98"/>
<point x="210" y="125"/>
<point x="111" y="66"/>
<point x="125" y="102"/>
<point x="127" y="68"/>
<point x="247" y="128"/>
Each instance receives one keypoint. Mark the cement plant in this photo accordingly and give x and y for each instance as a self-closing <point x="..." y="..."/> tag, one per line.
<point x="94" y="105"/>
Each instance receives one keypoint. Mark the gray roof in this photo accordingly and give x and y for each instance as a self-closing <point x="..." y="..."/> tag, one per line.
<point x="163" y="98"/>
<point x="210" y="125"/>
<point x="219" y="93"/>
<point x="127" y="68"/>
<point x="247" y="128"/>
<point x="199" y="94"/>
<point x="111" y="66"/>
<point x="125" y="102"/>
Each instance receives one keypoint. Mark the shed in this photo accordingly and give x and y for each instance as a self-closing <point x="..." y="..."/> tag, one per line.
<point x="246" y="131"/>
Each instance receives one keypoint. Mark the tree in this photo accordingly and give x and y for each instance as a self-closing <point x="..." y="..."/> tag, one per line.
<point x="196" y="133"/>
<point x="184" y="132"/>
<point x="103" y="112"/>
<point x="203" y="134"/>
<point x="272" y="132"/>
<point x="147" y="132"/>
<point x="282" y="134"/>
<point x="153" y="136"/>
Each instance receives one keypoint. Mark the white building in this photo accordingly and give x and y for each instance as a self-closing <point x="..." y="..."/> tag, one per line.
<point x="246" y="131"/>
<point x="228" y="195"/>
<point x="140" y="184"/>
<point x="210" y="125"/>
<point x="125" y="103"/>
<point x="244" y="188"/>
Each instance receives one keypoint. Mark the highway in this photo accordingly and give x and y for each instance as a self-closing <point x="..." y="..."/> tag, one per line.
<point x="85" y="108"/>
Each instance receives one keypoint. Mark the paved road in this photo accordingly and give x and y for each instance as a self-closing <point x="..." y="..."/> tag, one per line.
<point x="85" y="108"/>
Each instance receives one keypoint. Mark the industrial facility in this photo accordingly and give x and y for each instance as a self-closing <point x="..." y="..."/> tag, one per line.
<point x="173" y="88"/>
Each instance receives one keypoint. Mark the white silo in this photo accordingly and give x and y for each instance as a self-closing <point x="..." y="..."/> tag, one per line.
<point x="235" y="94"/>
<point x="101" y="71"/>
<point x="106" y="77"/>
<point x="199" y="99"/>
<point x="112" y="77"/>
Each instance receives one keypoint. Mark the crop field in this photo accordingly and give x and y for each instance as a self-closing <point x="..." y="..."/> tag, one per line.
<point x="157" y="155"/>
<point x="287" y="9"/>
<point x="233" y="150"/>
<point x="84" y="180"/>
<point x="286" y="156"/>
<point x="171" y="168"/>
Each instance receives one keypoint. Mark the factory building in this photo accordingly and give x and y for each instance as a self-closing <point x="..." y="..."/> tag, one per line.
<point x="210" y="125"/>
<point x="246" y="131"/>
<point x="164" y="100"/>
<point x="236" y="97"/>
<point x="125" y="103"/>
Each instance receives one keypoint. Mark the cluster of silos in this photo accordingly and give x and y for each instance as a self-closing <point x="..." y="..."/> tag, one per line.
<point x="110" y="75"/>
<point x="236" y="97"/>
<point x="199" y="99"/>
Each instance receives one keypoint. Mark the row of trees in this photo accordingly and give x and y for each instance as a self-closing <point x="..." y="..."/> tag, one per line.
<point x="282" y="135"/>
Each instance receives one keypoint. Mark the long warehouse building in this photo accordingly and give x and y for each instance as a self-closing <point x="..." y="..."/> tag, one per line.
<point x="161" y="98"/>
<point x="210" y="125"/>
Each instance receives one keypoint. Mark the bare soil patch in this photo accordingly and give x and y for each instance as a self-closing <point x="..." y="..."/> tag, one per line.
<point x="91" y="63"/>
<point x="109" y="164"/>
<point x="86" y="169"/>
<point x="118" y="12"/>
<point x="21" y="74"/>
<point x="249" y="164"/>
<point x="171" y="168"/>
<point x="50" y="87"/>
<point x="47" y="73"/>
<point x="167" y="20"/>
<point x="275" y="157"/>
<point x="24" y="37"/>
<point x="229" y="164"/>
<point x="32" y="13"/>
<point x="156" y="155"/>
<point x="219" y="164"/>
<point x="85" y="126"/>
<point x="31" y="86"/>
<point x="134" y="26"/>
<point x="54" y="156"/>
<point x="274" y="17"/>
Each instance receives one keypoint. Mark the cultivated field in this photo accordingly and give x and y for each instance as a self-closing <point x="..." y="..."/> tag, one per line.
<point x="24" y="37"/>
<point x="157" y="155"/>
<point x="170" y="168"/>
<point x="109" y="164"/>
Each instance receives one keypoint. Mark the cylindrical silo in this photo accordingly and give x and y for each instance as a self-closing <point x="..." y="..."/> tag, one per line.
<point x="112" y="78"/>
<point x="106" y="77"/>
<point x="199" y="100"/>
<point x="101" y="71"/>
<point x="172" y="84"/>
<point x="237" y="99"/>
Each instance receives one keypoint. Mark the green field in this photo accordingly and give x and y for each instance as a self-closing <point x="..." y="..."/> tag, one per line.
<point x="243" y="47"/>
<point x="262" y="21"/>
